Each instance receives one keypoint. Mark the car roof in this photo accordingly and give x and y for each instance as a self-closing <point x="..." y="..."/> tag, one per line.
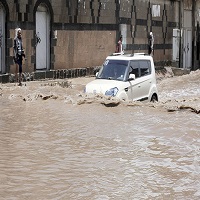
<point x="135" y="56"/>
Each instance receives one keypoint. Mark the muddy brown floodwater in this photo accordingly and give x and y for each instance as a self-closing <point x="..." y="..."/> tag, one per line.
<point x="58" y="143"/>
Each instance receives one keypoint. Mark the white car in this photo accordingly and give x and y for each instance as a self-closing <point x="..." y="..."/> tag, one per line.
<point x="129" y="77"/>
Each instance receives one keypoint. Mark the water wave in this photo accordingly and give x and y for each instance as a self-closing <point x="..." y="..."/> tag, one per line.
<point x="175" y="93"/>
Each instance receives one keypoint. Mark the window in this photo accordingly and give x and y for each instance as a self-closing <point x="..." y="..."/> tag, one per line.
<point x="145" y="68"/>
<point x="113" y="69"/>
<point x="140" y="68"/>
<point x="134" y="68"/>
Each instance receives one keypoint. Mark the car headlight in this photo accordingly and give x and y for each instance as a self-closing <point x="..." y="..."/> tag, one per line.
<point x="112" y="92"/>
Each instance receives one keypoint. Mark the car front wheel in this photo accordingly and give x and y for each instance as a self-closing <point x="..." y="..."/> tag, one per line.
<point x="154" y="98"/>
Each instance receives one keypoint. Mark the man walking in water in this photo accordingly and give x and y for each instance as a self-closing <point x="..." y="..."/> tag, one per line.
<point x="18" y="54"/>
<point x="119" y="48"/>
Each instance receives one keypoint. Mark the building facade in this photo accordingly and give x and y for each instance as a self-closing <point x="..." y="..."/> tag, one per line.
<point x="69" y="34"/>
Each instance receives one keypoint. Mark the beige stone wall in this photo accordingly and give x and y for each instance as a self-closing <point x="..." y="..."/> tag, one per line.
<point x="83" y="49"/>
<point x="87" y="29"/>
<point x="143" y="21"/>
<point x="197" y="12"/>
<point x="187" y="4"/>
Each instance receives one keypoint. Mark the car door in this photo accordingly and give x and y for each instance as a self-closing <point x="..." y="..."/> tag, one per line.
<point x="145" y="79"/>
<point x="133" y="91"/>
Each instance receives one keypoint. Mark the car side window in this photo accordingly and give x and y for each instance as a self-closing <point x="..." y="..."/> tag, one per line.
<point x="145" y="67"/>
<point x="134" y="68"/>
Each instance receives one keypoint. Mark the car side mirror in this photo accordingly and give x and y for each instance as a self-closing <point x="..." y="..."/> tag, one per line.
<point x="131" y="77"/>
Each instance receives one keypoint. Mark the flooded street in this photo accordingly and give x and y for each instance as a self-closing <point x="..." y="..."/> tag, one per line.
<point x="58" y="143"/>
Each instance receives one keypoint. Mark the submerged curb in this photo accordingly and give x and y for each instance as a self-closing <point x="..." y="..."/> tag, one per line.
<point x="74" y="73"/>
<point x="50" y="75"/>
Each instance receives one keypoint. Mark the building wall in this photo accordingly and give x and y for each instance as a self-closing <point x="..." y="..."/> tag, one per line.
<point x="194" y="7"/>
<point x="187" y="4"/>
<point x="197" y="35"/>
<point x="75" y="49"/>
<point x="87" y="30"/>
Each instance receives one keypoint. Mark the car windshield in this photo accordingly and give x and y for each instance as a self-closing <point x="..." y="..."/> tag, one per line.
<point x="113" y="70"/>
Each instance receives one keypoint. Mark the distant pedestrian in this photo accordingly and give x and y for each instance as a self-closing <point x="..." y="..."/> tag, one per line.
<point x="18" y="52"/>
<point x="151" y="43"/>
<point x="119" y="47"/>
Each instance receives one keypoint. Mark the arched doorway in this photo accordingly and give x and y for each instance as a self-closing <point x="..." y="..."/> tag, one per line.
<point x="2" y="39"/>
<point x="42" y="38"/>
<point x="187" y="40"/>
